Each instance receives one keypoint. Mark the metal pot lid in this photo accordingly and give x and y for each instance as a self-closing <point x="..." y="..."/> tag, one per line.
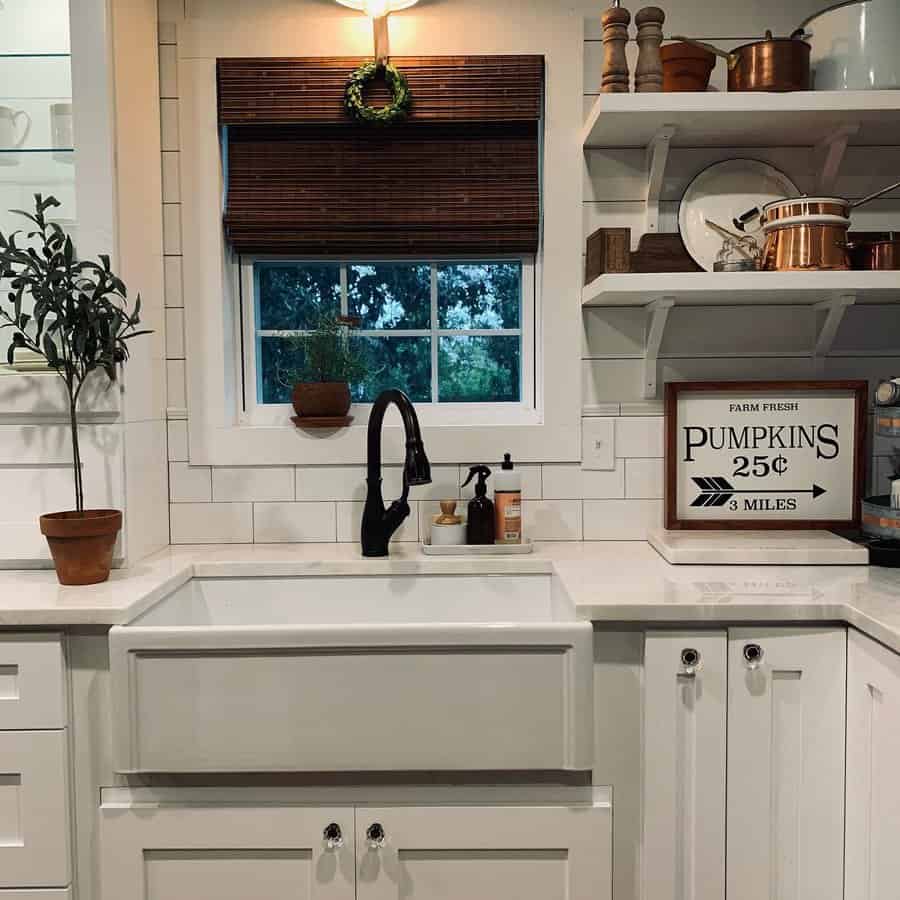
<point x="828" y="9"/>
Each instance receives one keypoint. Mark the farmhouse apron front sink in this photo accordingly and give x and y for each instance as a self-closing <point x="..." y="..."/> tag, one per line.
<point x="354" y="673"/>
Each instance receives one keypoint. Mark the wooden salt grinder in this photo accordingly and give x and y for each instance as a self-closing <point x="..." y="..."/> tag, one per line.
<point x="648" y="76"/>
<point x="615" y="36"/>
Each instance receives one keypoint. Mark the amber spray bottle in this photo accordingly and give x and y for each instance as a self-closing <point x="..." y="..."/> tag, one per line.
<point x="480" y="524"/>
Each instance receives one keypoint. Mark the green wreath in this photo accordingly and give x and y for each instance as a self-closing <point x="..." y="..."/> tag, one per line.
<point x="371" y="115"/>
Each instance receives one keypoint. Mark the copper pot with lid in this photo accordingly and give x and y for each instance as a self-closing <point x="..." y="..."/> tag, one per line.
<point x="876" y="254"/>
<point x="777" y="64"/>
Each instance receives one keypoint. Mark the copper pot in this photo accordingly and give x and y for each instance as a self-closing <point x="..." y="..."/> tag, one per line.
<point x="772" y="64"/>
<point x="882" y="255"/>
<point x="806" y="234"/>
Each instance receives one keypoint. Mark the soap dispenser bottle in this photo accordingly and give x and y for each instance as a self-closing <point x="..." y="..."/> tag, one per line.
<point x="508" y="503"/>
<point x="480" y="525"/>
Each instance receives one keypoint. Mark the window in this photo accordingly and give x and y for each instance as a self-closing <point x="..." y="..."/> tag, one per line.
<point x="453" y="333"/>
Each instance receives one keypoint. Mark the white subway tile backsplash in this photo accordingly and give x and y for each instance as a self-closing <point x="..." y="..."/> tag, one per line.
<point x="621" y="520"/>
<point x="168" y="70"/>
<point x="598" y="444"/>
<point x="176" y="388"/>
<point x="284" y="523"/>
<point x="169" y="133"/>
<point x="171" y="228"/>
<point x="639" y="436"/>
<point x="231" y="484"/>
<point x="644" y="479"/>
<point x="568" y="481"/>
<point x="552" y="520"/>
<point x="167" y="33"/>
<point x="445" y="485"/>
<point x="211" y="523"/>
<point x="189" y="484"/>
<point x="343" y="482"/>
<point x="174" y="334"/>
<point x="178" y="440"/>
<point x="173" y="282"/>
<point x="171" y="179"/>
<point x="349" y="523"/>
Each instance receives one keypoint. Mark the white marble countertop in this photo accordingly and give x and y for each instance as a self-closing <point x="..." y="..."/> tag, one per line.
<point x="609" y="582"/>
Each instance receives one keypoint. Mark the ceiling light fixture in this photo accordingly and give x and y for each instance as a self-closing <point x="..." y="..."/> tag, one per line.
<point x="378" y="11"/>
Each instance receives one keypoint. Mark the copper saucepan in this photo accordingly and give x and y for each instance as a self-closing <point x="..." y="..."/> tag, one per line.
<point x="772" y="64"/>
<point x="876" y="254"/>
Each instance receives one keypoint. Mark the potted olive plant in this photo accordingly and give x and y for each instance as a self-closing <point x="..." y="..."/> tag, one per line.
<point x="80" y="324"/>
<point x="328" y="360"/>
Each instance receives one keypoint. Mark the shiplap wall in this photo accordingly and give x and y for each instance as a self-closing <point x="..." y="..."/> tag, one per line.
<point x="562" y="502"/>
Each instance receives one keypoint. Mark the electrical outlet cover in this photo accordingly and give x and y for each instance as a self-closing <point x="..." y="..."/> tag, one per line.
<point x="598" y="444"/>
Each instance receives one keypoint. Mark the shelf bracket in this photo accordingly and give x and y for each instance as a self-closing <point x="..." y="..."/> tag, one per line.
<point x="836" y="308"/>
<point x="830" y="155"/>
<point x="659" y="316"/>
<point x="657" y="157"/>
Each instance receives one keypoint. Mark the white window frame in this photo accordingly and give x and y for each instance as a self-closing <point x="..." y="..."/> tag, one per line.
<point x="435" y="414"/>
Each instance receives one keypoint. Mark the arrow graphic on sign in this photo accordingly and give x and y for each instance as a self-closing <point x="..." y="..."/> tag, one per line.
<point x="718" y="491"/>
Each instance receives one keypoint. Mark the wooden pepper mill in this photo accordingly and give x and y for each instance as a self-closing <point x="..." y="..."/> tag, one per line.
<point x="615" y="36"/>
<point x="648" y="76"/>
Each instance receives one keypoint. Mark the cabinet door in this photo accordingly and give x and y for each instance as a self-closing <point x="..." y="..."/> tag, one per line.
<point x="685" y="719"/>
<point x="225" y="852"/>
<point x="786" y="719"/>
<point x="34" y="818"/>
<point x="485" y="853"/>
<point x="873" y="786"/>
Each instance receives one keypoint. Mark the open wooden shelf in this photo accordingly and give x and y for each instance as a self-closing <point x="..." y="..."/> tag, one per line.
<point x="742" y="288"/>
<point x="713" y="119"/>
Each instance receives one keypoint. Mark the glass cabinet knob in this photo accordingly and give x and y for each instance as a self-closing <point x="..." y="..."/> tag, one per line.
<point x="333" y="836"/>
<point x="375" y="836"/>
<point x="691" y="662"/>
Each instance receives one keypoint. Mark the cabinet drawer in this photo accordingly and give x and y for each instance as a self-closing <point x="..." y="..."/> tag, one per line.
<point x="31" y="682"/>
<point x="34" y="820"/>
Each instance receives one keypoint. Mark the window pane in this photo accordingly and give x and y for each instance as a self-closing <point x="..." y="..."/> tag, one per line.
<point x="480" y="296"/>
<point x="275" y="358"/>
<point x="293" y="296"/>
<point x="479" y="369"/>
<point x="390" y="296"/>
<point x="397" y="362"/>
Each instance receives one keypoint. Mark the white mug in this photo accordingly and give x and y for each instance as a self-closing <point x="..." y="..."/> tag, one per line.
<point x="14" y="128"/>
<point x="62" y="131"/>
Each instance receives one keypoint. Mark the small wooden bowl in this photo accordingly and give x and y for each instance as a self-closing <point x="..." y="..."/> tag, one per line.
<point x="686" y="67"/>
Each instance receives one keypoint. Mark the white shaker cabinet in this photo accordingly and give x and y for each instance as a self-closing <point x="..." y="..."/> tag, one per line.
<point x="483" y="853"/>
<point x="226" y="852"/>
<point x="873" y="774"/>
<point x="685" y="710"/>
<point x="786" y="751"/>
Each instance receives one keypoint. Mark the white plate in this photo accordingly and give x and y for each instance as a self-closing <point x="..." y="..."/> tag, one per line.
<point x="722" y="193"/>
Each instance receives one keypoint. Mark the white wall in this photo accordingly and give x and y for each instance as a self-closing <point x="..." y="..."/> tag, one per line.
<point x="324" y="503"/>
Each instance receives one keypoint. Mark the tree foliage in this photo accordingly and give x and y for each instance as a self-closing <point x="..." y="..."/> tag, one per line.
<point x="79" y="320"/>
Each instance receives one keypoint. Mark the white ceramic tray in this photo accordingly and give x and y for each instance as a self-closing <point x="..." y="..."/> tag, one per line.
<point x="479" y="549"/>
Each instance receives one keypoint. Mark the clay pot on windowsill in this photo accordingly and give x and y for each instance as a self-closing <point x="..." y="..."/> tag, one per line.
<point x="81" y="543"/>
<point x="325" y="399"/>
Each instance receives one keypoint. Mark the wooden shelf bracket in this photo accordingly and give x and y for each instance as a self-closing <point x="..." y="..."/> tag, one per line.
<point x="656" y="159"/>
<point x="658" y="317"/>
<point x="836" y="308"/>
<point x="830" y="156"/>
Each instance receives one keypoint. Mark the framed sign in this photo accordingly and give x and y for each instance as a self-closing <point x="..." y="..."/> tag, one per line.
<point x="765" y="454"/>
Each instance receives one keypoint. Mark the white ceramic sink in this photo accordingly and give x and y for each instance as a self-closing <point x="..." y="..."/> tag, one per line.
<point x="354" y="673"/>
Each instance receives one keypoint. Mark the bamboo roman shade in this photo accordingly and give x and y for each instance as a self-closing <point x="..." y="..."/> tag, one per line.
<point x="460" y="176"/>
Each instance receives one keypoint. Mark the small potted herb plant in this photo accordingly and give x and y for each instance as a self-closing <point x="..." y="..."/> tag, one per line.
<point x="328" y="360"/>
<point x="79" y="323"/>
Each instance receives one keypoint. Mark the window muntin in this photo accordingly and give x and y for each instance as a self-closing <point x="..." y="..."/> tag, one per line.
<point x="450" y="333"/>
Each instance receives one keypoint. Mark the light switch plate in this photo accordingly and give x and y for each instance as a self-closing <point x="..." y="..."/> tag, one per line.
<point x="598" y="444"/>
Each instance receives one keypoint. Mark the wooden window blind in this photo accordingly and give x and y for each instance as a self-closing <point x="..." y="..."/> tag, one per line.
<point x="461" y="176"/>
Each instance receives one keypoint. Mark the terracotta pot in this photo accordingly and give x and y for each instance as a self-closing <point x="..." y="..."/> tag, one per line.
<point x="686" y="67"/>
<point x="321" y="399"/>
<point x="81" y="543"/>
